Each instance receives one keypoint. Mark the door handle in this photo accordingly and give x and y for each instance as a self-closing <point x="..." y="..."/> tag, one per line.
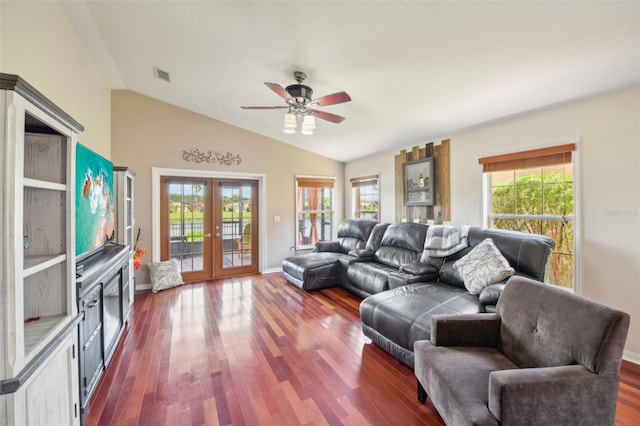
<point x="217" y="234"/>
<point x="207" y="235"/>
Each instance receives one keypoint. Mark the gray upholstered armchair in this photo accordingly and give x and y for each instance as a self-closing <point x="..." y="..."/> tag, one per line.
<point x="546" y="357"/>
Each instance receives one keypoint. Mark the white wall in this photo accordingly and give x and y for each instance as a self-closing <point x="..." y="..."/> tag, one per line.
<point x="609" y="154"/>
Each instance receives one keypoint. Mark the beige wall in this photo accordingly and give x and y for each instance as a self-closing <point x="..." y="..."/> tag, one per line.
<point x="148" y="133"/>
<point x="609" y="177"/>
<point x="38" y="43"/>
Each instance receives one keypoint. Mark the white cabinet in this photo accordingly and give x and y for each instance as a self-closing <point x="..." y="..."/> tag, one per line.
<point x="123" y="178"/>
<point x="49" y="396"/>
<point x="38" y="311"/>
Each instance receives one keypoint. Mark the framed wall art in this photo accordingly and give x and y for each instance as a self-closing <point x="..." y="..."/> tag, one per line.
<point x="418" y="182"/>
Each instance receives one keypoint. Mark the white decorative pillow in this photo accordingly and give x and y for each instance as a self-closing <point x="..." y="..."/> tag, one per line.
<point x="165" y="275"/>
<point x="482" y="266"/>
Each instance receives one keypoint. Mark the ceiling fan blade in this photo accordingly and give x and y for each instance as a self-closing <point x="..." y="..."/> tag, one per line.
<point x="334" y="98"/>
<point x="264" y="107"/>
<point x="279" y="91"/>
<point x="327" y="116"/>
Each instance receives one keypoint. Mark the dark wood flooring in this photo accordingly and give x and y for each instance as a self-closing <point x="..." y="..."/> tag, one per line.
<point x="257" y="351"/>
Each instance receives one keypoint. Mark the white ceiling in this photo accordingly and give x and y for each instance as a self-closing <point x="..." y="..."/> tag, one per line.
<point x="416" y="71"/>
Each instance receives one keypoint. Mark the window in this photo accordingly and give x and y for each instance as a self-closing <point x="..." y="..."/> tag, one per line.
<point x="314" y="210"/>
<point x="364" y="197"/>
<point x="534" y="191"/>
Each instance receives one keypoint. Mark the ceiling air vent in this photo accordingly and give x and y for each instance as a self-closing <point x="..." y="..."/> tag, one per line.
<point x="161" y="74"/>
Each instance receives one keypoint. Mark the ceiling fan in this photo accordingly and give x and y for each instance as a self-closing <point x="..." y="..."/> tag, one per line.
<point x="300" y="103"/>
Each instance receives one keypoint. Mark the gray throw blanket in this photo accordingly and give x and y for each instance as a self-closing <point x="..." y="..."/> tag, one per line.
<point x="445" y="240"/>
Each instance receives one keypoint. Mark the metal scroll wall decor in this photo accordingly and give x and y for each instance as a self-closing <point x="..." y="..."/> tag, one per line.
<point x="196" y="156"/>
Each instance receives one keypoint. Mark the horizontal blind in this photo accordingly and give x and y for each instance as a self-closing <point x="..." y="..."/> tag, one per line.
<point x="311" y="182"/>
<point x="542" y="157"/>
<point x="365" y="180"/>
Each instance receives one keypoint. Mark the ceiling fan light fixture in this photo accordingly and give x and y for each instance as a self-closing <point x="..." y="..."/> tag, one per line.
<point x="308" y="125"/>
<point x="290" y="123"/>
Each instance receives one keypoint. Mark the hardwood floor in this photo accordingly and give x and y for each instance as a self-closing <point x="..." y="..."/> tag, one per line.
<point x="257" y="351"/>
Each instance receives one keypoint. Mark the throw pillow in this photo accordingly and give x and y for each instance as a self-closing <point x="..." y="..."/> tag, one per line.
<point x="165" y="275"/>
<point x="483" y="266"/>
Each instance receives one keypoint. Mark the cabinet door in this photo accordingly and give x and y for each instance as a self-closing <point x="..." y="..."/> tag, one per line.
<point x="50" y="397"/>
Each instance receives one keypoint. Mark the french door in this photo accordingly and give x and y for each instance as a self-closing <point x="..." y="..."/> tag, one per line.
<point x="210" y="226"/>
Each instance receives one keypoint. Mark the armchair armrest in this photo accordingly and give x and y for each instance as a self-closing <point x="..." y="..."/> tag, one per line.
<point x="522" y="396"/>
<point x="480" y="330"/>
<point x="332" y="246"/>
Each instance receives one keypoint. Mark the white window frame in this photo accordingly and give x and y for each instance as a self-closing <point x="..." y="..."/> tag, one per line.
<point x="330" y="211"/>
<point x="356" y="184"/>
<point x="487" y="216"/>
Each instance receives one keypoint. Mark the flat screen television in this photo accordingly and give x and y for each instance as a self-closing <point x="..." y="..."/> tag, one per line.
<point x="95" y="215"/>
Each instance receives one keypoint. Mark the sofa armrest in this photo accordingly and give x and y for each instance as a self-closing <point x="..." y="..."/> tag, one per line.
<point x="480" y="330"/>
<point x="522" y="396"/>
<point x="399" y="279"/>
<point x="418" y="268"/>
<point x="332" y="246"/>
<point x="490" y="294"/>
<point x="363" y="254"/>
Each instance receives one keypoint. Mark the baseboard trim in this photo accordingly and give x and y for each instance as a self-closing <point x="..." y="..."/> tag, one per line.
<point x="143" y="287"/>
<point x="631" y="357"/>
<point x="148" y="286"/>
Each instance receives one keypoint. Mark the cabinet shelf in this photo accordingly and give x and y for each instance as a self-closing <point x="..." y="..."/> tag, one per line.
<point x="36" y="331"/>
<point x="43" y="184"/>
<point x="35" y="264"/>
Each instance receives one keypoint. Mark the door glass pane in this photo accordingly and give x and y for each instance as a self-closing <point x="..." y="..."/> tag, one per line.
<point x="186" y="226"/>
<point x="236" y="225"/>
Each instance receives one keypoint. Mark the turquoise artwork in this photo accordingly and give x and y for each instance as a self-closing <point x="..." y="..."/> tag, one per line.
<point x="95" y="215"/>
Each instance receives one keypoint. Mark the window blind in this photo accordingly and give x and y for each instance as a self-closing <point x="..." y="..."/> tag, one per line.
<point x="560" y="154"/>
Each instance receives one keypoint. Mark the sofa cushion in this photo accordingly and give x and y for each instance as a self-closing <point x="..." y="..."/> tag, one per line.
<point x="375" y="238"/>
<point x="403" y="315"/>
<point x="482" y="266"/>
<point x="462" y="394"/>
<point x="527" y="253"/>
<point x="449" y="275"/>
<point x="369" y="277"/>
<point x="354" y="233"/>
<point x="313" y="271"/>
<point x="401" y="243"/>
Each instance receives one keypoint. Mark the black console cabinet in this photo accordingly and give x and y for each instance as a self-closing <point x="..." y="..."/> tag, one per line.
<point x="102" y="280"/>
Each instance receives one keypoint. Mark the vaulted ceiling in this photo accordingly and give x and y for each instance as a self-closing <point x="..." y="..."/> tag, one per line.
<point x="416" y="71"/>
